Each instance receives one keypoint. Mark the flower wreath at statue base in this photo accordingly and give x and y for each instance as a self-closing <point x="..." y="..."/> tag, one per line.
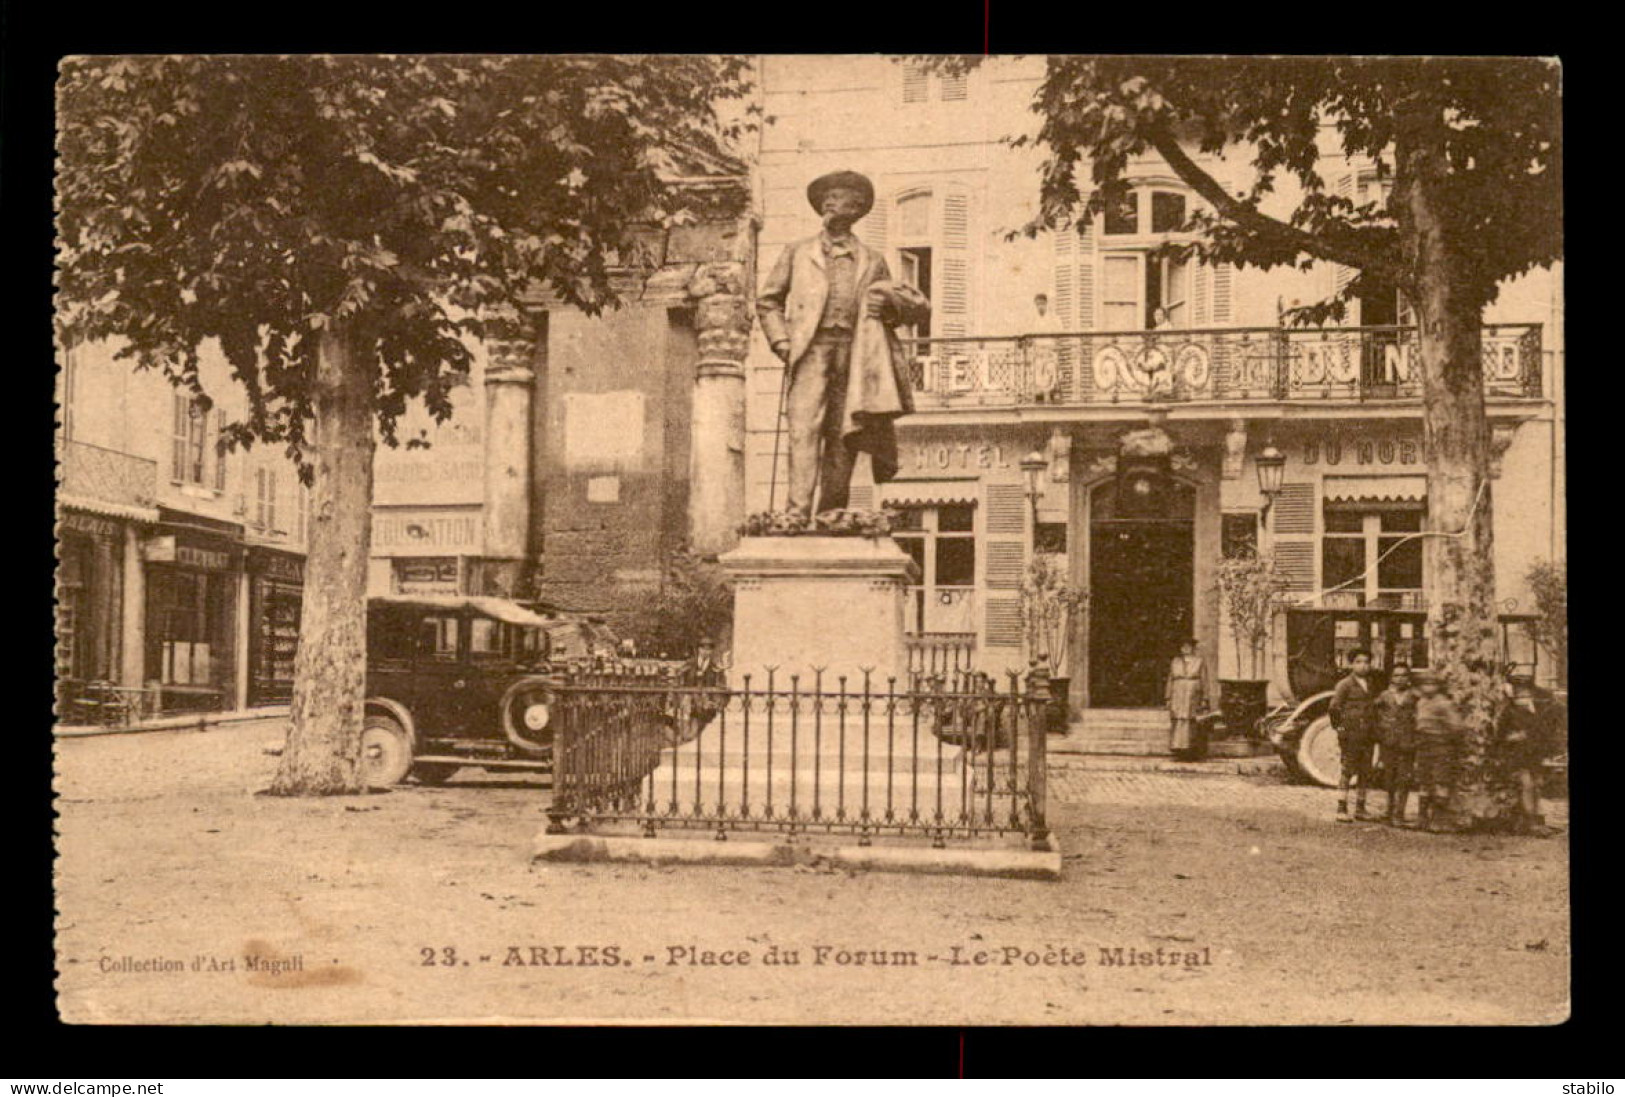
<point x="829" y="523"/>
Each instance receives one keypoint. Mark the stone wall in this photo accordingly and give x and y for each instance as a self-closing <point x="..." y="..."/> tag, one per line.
<point x="612" y="437"/>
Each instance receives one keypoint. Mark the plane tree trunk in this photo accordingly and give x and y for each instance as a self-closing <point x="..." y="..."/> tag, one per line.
<point x="322" y="755"/>
<point x="1459" y="551"/>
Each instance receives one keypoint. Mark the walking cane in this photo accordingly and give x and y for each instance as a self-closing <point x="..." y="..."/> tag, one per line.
<point x="778" y="432"/>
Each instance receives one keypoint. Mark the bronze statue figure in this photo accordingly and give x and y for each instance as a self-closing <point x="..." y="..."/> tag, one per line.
<point x="829" y="310"/>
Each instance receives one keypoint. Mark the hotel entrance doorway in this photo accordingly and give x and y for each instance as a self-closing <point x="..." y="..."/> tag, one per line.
<point x="1141" y="579"/>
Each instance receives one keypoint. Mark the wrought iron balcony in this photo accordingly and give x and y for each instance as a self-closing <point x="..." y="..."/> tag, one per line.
<point x="108" y="476"/>
<point x="1210" y="365"/>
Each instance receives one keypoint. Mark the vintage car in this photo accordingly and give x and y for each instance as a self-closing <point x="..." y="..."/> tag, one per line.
<point x="455" y="680"/>
<point x="1318" y="645"/>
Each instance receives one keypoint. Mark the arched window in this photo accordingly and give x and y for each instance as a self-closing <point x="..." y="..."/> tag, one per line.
<point x="1108" y="277"/>
<point x="925" y="235"/>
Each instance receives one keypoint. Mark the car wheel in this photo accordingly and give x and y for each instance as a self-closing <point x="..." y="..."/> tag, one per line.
<point x="1319" y="757"/>
<point x="386" y="751"/>
<point x="434" y="773"/>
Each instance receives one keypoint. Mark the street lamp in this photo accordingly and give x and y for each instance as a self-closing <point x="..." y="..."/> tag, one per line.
<point x="1271" y="465"/>
<point x="1032" y="467"/>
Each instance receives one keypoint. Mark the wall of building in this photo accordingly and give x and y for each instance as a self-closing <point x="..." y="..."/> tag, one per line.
<point x="613" y="439"/>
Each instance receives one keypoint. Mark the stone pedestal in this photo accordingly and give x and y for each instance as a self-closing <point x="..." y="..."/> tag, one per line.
<point x="801" y="603"/>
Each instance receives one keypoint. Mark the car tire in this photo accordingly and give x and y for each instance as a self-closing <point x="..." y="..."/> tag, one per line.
<point x="434" y="773"/>
<point x="386" y="751"/>
<point x="1319" y="757"/>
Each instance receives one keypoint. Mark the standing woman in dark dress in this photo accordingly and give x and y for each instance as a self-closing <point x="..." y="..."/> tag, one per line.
<point x="1188" y="696"/>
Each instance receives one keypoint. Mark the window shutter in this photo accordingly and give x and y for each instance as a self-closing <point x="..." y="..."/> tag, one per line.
<point x="953" y="307"/>
<point x="1293" y="521"/>
<point x="872" y="229"/>
<point x="1341" y="275"/>
<point x="915" y="83"/>
<point x="1086" y="277"/>
<point x="955" y="88"/>
<point x="1223" y="276"/>
<point x="1006" y="530"/>
<point x="219" y="453"/>
<point x="259" y="498"/>
<point x="178" y="439"/>
<point x="1202" y="296"/>
<point x="270" y="500"/>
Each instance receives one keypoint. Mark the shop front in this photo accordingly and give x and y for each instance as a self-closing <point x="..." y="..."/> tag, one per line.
<point x="88" y="597"/>
<point x="277" y="590"/>
<point x="194" y="567"/>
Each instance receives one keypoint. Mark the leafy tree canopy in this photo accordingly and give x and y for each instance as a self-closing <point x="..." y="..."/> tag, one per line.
<point x="1489" y="128"/>
<point x="260" y="200"/>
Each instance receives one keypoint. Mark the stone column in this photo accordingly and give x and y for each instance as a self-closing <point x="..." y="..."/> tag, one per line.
<point x="133" y="615"/>
<point x="509" y="385"/>
<point x="716" y="481"/>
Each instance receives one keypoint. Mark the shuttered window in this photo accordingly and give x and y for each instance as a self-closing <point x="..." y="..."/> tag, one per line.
<point x="1292" y="520"/>
<point x="1006" y="529"/>
<point x="916" y="82"/>
<point x="180" y="436"/>
<point x="218" y="453"/>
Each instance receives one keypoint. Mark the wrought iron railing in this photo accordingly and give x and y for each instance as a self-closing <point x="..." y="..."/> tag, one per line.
<point x="107" y="475"/>
<point x="1210" y="364"/>
<point x="945" y="655"/>
<point x="789" y="757"/>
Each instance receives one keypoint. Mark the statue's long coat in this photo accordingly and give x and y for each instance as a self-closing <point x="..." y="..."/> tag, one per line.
<point x="790" y="304"/>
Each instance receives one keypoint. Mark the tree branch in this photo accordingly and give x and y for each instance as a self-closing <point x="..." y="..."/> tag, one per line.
<point x="1248" y="217"/>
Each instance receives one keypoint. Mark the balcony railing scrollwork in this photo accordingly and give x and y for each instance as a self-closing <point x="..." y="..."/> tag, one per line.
<point x="1205" y="365"/>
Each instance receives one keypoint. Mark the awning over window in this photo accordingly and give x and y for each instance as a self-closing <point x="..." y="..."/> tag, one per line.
<point x="929" y="493"/>
<point x="127" y="511"/>
<point x="1376" y="489"/>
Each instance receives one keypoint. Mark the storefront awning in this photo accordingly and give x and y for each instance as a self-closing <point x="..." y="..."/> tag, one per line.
<point x="929" y="493"/>
<point x="1376" y="489"/>
<point x="128" y="511"/>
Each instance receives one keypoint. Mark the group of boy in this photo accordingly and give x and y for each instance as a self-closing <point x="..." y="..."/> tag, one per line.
<point x="1416" y="731"/>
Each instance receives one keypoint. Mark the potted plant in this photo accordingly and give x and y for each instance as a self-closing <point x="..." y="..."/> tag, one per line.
<point x="1050" y="606"/>
<point x="1250" y="589"/>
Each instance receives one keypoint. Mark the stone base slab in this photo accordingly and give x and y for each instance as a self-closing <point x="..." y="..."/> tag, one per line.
<point x="1017" y="864"/>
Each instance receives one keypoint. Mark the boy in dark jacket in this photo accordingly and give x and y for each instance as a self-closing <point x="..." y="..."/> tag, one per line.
<point x="1353" y="714"/>
<point x="1396" y="725"/>
<point x="1523" y="738"/>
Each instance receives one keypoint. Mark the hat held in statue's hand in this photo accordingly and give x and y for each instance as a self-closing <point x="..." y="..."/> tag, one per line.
<point x="850" y="179"/>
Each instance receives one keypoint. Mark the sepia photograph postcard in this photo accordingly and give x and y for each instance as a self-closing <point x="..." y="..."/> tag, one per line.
<point x="778" y="539"/>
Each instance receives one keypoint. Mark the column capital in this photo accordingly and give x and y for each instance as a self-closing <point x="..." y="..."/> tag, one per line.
<point x="497" y="374"/>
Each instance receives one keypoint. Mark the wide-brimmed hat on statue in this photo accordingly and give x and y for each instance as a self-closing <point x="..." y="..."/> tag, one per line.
<point x="850" y="179"/>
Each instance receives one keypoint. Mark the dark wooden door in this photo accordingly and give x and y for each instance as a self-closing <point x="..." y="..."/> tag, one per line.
<point x="1141" y="580"/>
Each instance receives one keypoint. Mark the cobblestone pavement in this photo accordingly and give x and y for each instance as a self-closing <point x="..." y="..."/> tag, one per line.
<point x="1269" y="792"/>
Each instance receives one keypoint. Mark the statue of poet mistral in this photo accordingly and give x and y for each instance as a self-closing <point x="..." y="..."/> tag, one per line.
<point x="829" y="310"/>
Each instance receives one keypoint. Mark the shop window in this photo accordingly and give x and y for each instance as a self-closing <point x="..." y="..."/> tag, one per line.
<point x="1238" y="535"/>
<point x="942" y="543"/>
<point x="1049" y="538"/>
<point x="956" y="562"/>
<point x="1370" y="554"/>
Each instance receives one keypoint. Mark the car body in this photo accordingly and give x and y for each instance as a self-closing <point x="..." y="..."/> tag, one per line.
<point x="462" y="680"/>
<point x="1319" y="640"/>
